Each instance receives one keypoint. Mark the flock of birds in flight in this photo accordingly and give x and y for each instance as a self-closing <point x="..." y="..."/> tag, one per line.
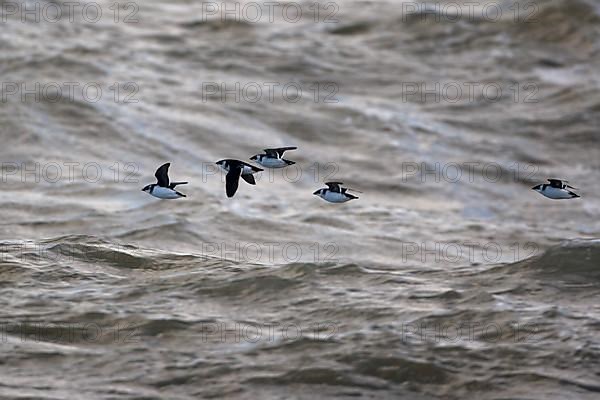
<point x="273" y="158"/>
<point x="236" y="169"/>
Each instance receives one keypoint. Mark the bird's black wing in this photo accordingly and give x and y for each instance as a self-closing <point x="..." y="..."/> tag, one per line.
<point x="162" y="175"/>
<point x="334" y="186"/>
<point x="272" y="153"/>
<point x="278" y="152"/>
<point x="249" y="178"/>
<point x="556" y="183"/>
<point x="173" y="184"/>
<point x="232" y="180"/>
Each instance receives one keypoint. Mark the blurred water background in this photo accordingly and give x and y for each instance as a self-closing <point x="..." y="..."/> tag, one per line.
<point x="448" y="278"/>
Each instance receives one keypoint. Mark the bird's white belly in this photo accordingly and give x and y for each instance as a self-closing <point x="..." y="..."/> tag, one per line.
<point x="556" y="193"/>
<point x="273" y="163"/>
<point x="335" y="197"/>
<point x="164" y="193"/>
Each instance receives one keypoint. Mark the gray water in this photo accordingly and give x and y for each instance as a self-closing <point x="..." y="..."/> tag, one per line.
<point x="448" y="278"/>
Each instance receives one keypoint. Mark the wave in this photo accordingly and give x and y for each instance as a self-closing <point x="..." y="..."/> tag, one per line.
<point x="576" y="259"/>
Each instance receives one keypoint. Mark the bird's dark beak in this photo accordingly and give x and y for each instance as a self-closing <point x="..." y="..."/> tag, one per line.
<point x="142" y="189"/>
<point x="317" y="192"/>
<point x="253" y="158"/>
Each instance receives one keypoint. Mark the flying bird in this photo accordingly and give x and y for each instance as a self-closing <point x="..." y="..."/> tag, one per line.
<point x="556" y="189"/>
<point x="162" y="189"/>
<point x="273" y="158"/>
<point x="335" y="193"/>
<point x="236" y="169"/>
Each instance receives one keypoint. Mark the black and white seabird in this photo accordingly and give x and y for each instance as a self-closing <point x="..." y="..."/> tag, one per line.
<point x="273" y="158"/>
<point x="556" y="189"/>
<point x="335" y="193"/>
<point x="235" y="169"/>
<point x="162" y="189"/>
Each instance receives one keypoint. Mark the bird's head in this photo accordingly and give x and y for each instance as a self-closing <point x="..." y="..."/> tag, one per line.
<point x="221" y="163"/>
<point x="537" y="188"/>
<point x="147" y="188"/>
<point x="318" y="192"/>
<point x="254" y="157"/>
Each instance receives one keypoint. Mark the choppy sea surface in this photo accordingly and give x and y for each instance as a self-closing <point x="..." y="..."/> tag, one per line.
<point x="448" y="278"/>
